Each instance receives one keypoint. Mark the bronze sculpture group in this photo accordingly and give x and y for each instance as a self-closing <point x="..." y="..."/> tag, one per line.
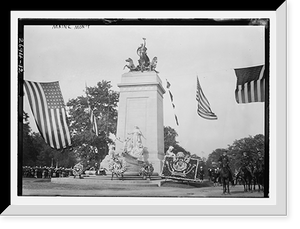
<point x="144" y="62"/>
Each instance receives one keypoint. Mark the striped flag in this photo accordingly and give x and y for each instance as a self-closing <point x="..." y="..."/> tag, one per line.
<point x="250" y="85"/>
<point x="203" y="110"/>
<point x="173" y="105"/>
<point x="49" y="112"/>
<point x="93" y="121"/>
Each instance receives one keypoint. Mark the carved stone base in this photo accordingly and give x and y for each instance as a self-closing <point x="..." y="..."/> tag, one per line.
<point x="141" y="104"/>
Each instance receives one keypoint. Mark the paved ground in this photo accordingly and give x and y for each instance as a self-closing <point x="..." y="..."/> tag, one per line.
<point x="44" y="187"/>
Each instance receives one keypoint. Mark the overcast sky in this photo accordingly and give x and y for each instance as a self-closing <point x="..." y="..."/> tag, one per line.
<point x="75" y="57"/>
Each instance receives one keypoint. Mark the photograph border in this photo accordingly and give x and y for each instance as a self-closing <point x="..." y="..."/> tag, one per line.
<point x="186" y="206"/>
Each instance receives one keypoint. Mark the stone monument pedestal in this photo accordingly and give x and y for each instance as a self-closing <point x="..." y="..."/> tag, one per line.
<point x="141" y="105"/>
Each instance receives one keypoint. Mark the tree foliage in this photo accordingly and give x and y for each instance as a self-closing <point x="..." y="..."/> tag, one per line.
<point x="250" y="144"/>
<point x="30" y="152"/>
<point x="170" y="140"/>
<point x="88" y="147"/>
<point x="37" y="153"/>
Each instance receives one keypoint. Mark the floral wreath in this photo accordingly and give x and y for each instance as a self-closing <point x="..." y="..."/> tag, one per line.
<point x="78" y="169"/>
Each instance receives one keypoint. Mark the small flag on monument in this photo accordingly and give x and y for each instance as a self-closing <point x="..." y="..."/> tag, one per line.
<point x="93" y="119"/>
<point x="250" y="86"/>
<point x="49" y="112"/>
<point x="203" y="110"/>
<point x="172" y="102"/>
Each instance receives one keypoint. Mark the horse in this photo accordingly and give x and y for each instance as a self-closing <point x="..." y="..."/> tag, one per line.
<point x="153" y="64"/>
<point x="259" y="177"/>
<point x="237" y="178"/>
<point x="225" y="177"/>
<point x="131" y="65"/>
<point x="246" y="177"/>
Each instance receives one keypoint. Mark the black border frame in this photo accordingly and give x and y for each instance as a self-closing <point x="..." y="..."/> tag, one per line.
<point x="144" y="22"/>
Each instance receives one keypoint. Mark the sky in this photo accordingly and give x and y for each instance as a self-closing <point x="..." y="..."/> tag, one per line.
<point x="78" y="56"/>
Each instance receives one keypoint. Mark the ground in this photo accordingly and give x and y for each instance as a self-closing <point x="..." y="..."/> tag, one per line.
<point x="44" y="187"/>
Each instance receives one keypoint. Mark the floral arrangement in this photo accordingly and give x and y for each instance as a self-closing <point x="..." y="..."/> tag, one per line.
<point x="78" y="169"/>
<point x="146" y="170"/>
<point x="117" y="166"/>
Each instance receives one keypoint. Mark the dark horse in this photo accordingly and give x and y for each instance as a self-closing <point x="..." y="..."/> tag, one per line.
<point x="246" y="178"/>
<point x="259" y="177"/>
<point x="225" y="177"/>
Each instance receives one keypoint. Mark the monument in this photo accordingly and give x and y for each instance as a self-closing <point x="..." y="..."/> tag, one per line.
<point x="140" y="133"/>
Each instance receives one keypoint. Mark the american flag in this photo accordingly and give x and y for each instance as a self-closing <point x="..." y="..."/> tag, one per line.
<point x="49" y="112"/>
<point x="203" y="110"/>
<point x="250" y="85"/>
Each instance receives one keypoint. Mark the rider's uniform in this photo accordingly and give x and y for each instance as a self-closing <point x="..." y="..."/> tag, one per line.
<point x="225" y="161"/>
<point x="247" y="163"/>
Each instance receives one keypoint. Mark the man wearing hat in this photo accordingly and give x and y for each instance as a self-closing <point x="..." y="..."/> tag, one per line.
<point x="247" y="162"/>
<point x="224" y="162"/>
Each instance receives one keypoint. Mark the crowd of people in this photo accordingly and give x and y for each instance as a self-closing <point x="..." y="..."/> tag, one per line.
<point x="46" y="172"/>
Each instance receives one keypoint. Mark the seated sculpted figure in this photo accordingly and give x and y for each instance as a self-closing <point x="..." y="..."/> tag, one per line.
<point x="170" y="152"/>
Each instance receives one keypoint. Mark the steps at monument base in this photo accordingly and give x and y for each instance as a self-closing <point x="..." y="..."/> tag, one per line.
<point x="101" y="180"/>
<point x="126" y="177"/>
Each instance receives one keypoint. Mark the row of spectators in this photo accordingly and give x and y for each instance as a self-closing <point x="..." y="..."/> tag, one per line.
<point x="46" y="172"/>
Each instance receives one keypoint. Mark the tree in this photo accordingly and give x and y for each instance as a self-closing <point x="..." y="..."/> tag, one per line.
<point x="30" y="152"/>
<point x="88" y="147"/>
<point x="213" y="158"/>
<point x="250" y="144"/>
<point x="170" y="140"/>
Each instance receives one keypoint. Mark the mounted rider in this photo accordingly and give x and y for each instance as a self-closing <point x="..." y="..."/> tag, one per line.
<point x="260" y="161"/>
<point x="224" y="162"/>
<point x="247" y="163"/>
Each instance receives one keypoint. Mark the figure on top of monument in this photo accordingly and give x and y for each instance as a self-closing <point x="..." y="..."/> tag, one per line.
<point x="144" y="60"/>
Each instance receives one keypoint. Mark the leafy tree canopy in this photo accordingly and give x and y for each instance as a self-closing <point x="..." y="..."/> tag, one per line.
<point x="250" y="144"/>
<point x="170" y="140"/>
<point x="88" y="147"/>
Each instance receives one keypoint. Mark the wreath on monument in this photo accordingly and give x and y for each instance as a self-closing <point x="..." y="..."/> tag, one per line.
<point x="117" y="166"/>
<point x="78" y="169"/>
<point x="146" y="170"/>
